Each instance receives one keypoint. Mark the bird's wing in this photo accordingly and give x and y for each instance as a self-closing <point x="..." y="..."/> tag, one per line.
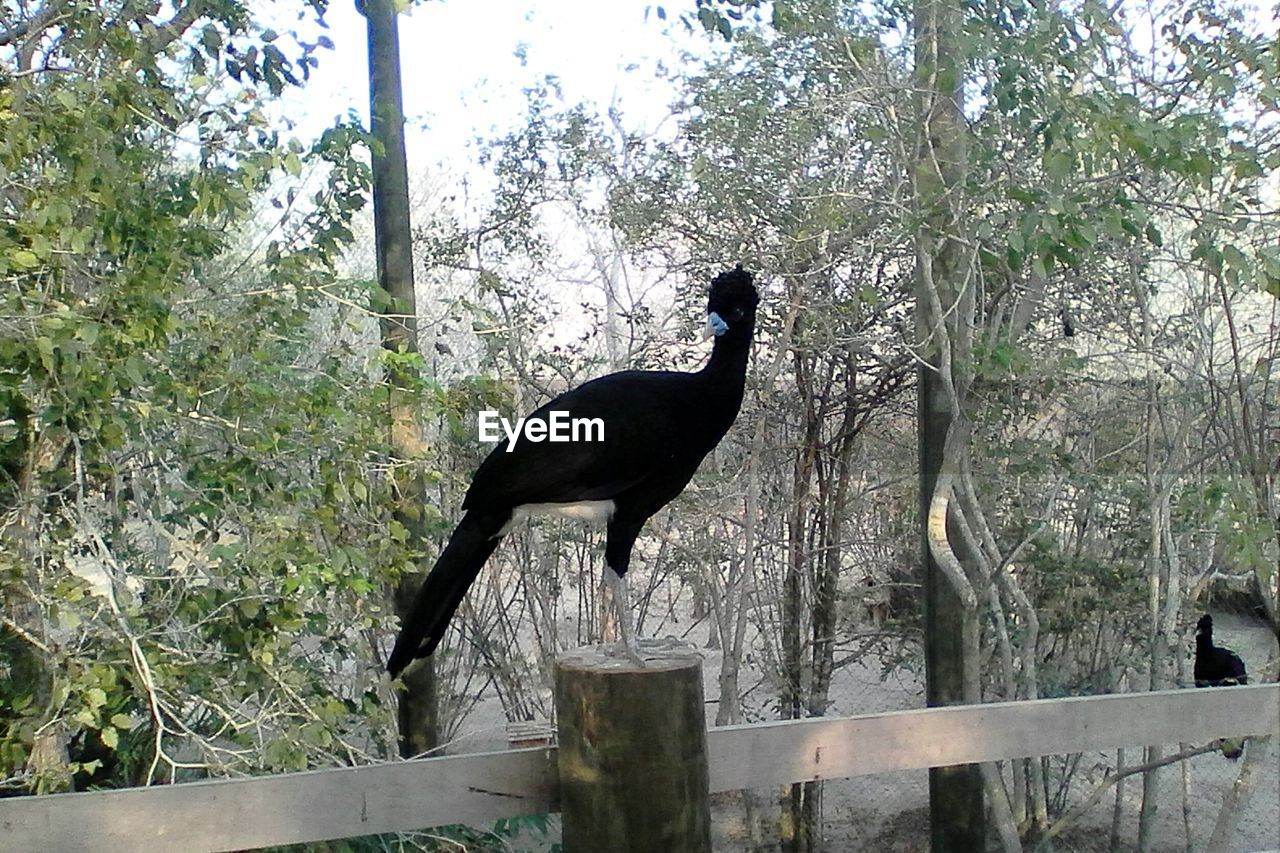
<point x="639" y="415"/>
<point x="1236" y="668"/>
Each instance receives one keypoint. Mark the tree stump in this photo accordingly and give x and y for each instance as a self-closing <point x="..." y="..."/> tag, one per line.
<point x="633" y="751"/>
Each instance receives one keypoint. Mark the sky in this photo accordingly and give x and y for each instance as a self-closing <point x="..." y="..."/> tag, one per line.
<point x="464" y="68"/>
<point x="465" y="65"/>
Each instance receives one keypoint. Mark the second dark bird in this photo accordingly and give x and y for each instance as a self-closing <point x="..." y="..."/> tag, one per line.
<point x="1218" y="667"/>
<point x="1214" y="665"/>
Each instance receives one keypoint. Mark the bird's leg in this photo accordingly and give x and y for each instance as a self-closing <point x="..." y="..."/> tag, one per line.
<point x="626" y="624"/>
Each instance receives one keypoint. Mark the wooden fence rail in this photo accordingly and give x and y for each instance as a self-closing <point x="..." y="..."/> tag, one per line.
<point x="478" y="789"/>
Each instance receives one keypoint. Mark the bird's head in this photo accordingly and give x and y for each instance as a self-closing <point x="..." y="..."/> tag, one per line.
<point x="731" y="304"/>
<point x="1205" y="625"/>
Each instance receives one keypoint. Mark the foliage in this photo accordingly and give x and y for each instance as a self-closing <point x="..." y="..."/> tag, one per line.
<point x="196" y="496"/>
<point x="194" y="452"/>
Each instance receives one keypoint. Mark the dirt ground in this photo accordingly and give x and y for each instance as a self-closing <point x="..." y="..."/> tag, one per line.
<point x="889" y="812"/>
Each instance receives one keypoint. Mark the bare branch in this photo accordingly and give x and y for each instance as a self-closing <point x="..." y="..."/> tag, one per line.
<point x="1065" y="822"/>
<point x="173" y="29"/>
<point x="35" y="23"/>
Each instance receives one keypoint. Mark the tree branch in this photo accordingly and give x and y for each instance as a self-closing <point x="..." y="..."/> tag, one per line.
<point x="35" y="23"/>
<point x="1063" y="823"/>
<point x="171" y="30"/>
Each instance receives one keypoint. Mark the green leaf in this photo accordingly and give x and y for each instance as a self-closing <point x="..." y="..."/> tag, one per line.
<point x="211" y="39"/>
<point x="1058" y="165"/>
<point x="25" y="259"/>
<point x="133" y="366"/>
<point x="707" y="17"/>
<point x="110" y="737"/>
<point x="44" y="345"/>
<point x="1234" y="257"/>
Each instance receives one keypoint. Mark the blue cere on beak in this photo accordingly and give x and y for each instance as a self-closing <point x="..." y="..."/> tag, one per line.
<point x="716" y="324"/>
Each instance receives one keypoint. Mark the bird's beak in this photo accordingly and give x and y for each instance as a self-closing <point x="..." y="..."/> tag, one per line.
<point x="715" y="327"/>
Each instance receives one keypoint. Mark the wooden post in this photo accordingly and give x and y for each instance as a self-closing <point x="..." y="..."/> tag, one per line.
<point x="633" y="752"/>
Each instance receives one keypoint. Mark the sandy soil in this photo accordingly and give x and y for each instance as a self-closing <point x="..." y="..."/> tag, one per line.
<point x="889" y="812"/>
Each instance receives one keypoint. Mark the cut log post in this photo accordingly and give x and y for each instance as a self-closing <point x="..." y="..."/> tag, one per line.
<point x="633" y="751"/>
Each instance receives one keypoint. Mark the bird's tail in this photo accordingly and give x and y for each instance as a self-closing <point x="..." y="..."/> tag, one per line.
<point x="460" y="562"/>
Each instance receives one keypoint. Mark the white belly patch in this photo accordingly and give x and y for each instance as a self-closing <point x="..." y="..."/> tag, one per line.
<point x="590" y="511"/>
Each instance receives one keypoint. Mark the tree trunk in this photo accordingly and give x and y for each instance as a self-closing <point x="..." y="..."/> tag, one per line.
<point x="1165" y="454"/>
<point x="1117" y="809"/>
<point x="796" y="824"/>
<point x="957" y="820"/>
<point x="417" y="708"/>
<point x="1235" y="803"/>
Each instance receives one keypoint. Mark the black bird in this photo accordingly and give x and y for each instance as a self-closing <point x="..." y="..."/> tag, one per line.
<point x="658" y="426"/>
<point x="1218" y="667"/>
<point x="1215" y="666"/>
